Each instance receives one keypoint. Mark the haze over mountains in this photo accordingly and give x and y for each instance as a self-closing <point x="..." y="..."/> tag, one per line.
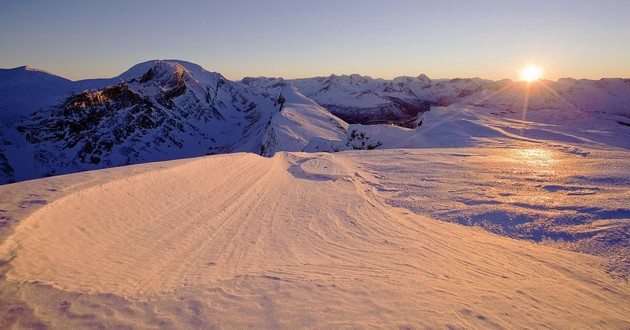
<point x="161" y="110"/>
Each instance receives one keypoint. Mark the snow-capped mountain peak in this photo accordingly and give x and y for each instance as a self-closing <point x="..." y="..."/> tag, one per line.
<point x="156" y="110"/>
<point x="167" y="109"/>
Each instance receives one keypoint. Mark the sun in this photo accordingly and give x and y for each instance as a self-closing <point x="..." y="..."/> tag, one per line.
<point x="531" y="73"/>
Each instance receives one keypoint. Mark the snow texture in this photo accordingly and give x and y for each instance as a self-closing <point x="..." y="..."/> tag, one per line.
<point x="241" y="240"/>
<point x="463" y="207"/>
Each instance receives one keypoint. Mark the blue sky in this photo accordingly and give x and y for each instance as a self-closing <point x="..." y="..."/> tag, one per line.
<point x="443" y="39"/>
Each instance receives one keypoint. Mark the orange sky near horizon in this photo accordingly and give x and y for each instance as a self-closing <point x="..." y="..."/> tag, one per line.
<point x="383" y="39"/>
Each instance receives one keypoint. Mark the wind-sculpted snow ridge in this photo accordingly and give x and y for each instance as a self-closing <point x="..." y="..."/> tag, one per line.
<point x="297" y="240"/>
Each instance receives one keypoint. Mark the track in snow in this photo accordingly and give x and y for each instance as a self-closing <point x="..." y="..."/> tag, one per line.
<point x="295" y="240"/>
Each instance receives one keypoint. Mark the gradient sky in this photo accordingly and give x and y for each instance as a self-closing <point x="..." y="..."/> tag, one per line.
<point x="295" y="38"/>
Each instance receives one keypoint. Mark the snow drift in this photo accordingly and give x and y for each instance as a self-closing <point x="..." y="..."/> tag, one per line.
<point x="297" y="240"/>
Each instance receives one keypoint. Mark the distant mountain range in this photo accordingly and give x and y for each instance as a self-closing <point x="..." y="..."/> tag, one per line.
<point x="169" y="109"/>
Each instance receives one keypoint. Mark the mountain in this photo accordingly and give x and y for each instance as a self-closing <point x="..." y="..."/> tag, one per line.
<point x="474" y="202"/>
<point x="25" y="90"/>
<point x="299" y="120"/>
<point x="598" y="110"/>
<point x="363" y="100"/>
<point x="170" y="109"/>
<point x="157" y="110"/>
<point x="404" y="97"/>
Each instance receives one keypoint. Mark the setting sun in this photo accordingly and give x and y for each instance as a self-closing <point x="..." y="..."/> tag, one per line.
<point x="531" y="73"/>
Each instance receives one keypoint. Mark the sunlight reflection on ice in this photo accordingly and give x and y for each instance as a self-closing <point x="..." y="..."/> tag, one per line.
<point x="541" y="160"/>
<point x="528" y="191"/>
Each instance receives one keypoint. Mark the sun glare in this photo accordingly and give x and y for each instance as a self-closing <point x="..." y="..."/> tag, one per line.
<point x="531" y="73"/>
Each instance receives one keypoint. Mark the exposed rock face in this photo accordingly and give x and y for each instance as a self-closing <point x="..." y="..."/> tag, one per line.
<point x="6" y="170"/>
<point x="399" y="112"/>
<point x="164" y="113"/>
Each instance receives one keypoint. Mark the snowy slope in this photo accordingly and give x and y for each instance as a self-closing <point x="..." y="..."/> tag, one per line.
<point x="300" y="240"/>
<point x="457" y="126"/>
<point x="298" y="122"/>
<point x="586" y="104"/>
<point x="25" y="90"/>
<point x="361" y="99"/>
<point x="160" y="110"/>
<point x="157" y="110"/>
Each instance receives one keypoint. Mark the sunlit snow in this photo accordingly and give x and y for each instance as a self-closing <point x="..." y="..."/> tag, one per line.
<point x="477" y="216"/>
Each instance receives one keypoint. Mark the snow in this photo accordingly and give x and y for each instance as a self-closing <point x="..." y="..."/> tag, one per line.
<point x="196" y="71"/>
<point x="165" y="112"/>
<point x="301" y="240"/>
<point x="506" y="208"/>
<point x="585" y="104"/>
<point x="298" y="122"/>
<point x="24" y="90"/>
<point x="215" y="115"/>
<point x="458" y="126"/>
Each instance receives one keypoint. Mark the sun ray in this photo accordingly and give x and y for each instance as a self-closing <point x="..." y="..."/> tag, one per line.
<point x="502" y="89"/>
<point x="562" y="98"/>
<point x="525" y="104"/>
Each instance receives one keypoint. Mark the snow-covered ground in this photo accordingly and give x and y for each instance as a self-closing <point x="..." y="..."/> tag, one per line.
<point x="318" y="240"/>
<point x="507" y="207"/>
<point x="171" y="109"/>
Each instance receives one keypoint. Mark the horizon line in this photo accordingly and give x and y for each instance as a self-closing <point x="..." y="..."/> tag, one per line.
<point x="32" y="68"/>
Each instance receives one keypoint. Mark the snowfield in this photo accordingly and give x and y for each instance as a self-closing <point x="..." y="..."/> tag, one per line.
<point x="505" y="206"/>
<point x="313" y="240"/>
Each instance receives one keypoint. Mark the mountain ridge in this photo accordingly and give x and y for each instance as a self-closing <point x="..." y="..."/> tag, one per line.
<point x="169" y="109"/>
<point x="421" y="76"/>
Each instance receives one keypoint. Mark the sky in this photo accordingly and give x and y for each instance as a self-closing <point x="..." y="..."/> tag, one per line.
<point x="295" y="38"/>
